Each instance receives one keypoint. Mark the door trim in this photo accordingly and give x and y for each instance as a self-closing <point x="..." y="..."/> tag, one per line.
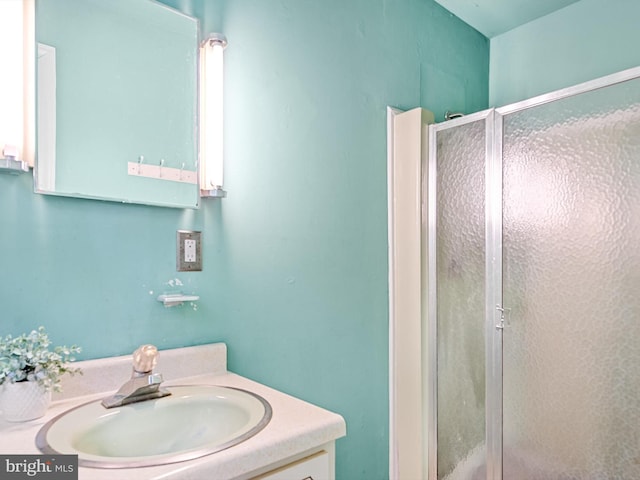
<point x="407" y="150"/>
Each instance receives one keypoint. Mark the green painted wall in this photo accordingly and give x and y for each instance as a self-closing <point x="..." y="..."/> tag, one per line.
<point x="583" y="41"/>
<point x="295" y="259"/>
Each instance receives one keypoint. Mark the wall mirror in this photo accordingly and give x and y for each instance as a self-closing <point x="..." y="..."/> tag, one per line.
<point x="117" y="88"/>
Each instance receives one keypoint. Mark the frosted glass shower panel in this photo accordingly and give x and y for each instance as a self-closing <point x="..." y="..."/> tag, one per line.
<point x="460" y="264"/>
<point x="571" y="277"/>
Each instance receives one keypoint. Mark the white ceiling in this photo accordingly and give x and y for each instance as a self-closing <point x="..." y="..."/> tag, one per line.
<point x="493" y="17"/>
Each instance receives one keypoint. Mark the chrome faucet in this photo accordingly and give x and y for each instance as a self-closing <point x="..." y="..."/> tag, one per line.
<point x="144" y="384"/>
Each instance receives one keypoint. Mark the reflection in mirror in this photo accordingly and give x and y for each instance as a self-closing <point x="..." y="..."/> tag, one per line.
<point x="117" y="101"/>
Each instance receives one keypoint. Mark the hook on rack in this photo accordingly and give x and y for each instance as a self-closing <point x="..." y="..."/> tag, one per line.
<point x="161" y="170"/>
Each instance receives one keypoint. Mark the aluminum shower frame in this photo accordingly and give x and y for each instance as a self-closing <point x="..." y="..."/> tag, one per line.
<point x="494" y="121"/>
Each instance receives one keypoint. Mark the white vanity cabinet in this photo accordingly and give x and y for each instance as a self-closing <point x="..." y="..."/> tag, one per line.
<point x="298" y="443"/>
<point x="315" y="467"/>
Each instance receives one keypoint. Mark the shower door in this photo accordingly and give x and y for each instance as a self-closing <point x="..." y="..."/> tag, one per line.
<point x="457" y="298"/>
<point x="534" y="288"/>
<point x="571" y="253"/>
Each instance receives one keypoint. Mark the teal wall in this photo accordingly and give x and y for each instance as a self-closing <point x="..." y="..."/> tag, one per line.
<point x="583" y="41"/>
<point x="295" y="259"/>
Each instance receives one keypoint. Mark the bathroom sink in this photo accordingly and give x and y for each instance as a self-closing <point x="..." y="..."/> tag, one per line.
<point x="192" y="422"/>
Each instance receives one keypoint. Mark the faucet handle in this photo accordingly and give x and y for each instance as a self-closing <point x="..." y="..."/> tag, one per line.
<point x="145" y="358"/>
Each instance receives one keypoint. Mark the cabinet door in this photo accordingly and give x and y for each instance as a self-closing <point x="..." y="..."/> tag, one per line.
<point x="315" y="467"/>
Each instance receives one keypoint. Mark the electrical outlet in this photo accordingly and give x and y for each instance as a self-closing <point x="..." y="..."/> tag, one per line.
<point x="188" y="251"/>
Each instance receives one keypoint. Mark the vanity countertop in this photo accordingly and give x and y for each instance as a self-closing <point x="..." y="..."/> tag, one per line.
<point x="296" y="426"/>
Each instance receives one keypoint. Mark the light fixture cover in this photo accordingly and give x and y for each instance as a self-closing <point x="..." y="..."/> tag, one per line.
<point x="17" y="95"/>
<point x="211" y="116"/>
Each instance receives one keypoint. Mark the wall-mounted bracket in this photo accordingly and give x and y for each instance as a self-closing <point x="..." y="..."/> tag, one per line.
<point x="174" y="299"/>
<point x="13" y="167"/>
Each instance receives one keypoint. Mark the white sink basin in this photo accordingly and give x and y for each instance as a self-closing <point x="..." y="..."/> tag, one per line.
<point x="192" y="422"/>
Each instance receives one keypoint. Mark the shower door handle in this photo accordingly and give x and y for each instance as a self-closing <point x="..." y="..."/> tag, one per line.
<point x="504" y="317"/>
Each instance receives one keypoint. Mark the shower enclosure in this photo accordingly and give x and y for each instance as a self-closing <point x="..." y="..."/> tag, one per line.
<point x="534" y="288"/>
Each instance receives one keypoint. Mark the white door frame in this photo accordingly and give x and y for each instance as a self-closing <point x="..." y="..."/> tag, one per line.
<point x="407" y="158"/>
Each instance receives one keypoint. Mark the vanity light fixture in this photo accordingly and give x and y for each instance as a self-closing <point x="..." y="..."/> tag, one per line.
<point x="17" y="126"/>
<point x="211" y="118"/>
